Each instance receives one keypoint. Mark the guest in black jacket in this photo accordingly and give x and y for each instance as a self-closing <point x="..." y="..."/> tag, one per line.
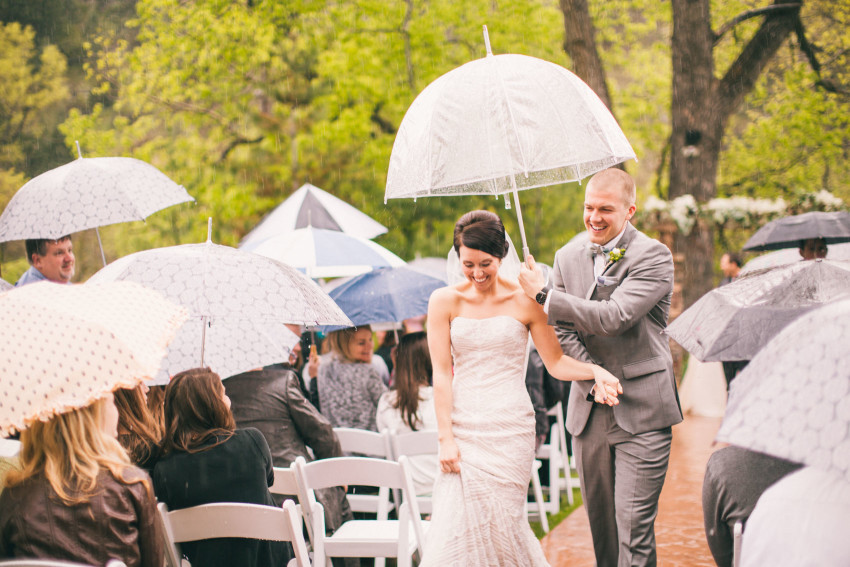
<point x="206" y="459"/>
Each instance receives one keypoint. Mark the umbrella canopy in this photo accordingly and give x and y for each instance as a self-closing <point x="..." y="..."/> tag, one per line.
<point x="430" y="266"/>
<point x="238" y="304"/>
<point x="387" y="295"/>
<point x="311" y="206"/>
<point x="790" y="256"/>
<point x="65" y="346"/>
<point x="735" y="321"/>
<point x="88" y="193"/>
<point x="325" y="253"/>
<point x="787" y="232"/>
<point x="501" y="124"/>
<point x="793" y="399"/>
<point x="5" y="286"/>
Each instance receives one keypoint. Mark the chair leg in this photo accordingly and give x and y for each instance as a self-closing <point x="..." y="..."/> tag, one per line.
<point x="538" y="496"/>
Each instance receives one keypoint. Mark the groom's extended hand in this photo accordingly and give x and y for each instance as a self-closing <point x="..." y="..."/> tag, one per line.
<point x="531" y="278"/>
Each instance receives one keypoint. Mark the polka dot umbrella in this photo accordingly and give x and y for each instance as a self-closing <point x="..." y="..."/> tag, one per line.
<point x="64" y="346"/>
<point x="793" y="399"/>
<point x="238" y="304"/>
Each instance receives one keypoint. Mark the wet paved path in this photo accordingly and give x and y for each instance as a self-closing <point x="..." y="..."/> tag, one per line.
<point x="679" y="529"/>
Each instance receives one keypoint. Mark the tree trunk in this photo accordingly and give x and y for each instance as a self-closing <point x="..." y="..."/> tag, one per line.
<point x="580" y="45"/>
<point x="701" y="106"/>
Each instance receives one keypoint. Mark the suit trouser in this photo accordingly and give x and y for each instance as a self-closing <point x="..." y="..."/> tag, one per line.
<point x="621" y="477"/>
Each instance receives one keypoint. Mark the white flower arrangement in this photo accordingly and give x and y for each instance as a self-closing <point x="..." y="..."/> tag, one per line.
<point x="742" y="211"/>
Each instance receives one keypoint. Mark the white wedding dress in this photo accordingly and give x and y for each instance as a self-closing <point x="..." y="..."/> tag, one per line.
<point x="479" y="515"/>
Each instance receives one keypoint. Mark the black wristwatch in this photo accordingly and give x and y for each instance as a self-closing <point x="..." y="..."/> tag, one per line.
<point x="541" y="296"/>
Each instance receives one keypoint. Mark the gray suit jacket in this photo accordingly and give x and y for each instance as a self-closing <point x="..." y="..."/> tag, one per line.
<point x="618" y="326"/>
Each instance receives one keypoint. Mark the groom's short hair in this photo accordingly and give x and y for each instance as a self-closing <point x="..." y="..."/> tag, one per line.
<point x="613" y="177"/>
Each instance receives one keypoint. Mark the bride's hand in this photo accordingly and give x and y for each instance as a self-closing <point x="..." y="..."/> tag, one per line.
<point x="607" y="388"/>
<point x="449" y="456"/>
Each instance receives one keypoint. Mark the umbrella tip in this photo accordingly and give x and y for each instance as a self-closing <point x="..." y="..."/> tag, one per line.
<point x="487" y="41"/>
<point x="209" y="229"/>
<point x="79" y="152"/>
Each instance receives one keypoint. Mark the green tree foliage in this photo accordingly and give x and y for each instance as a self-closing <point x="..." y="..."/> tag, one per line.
<point x="32" y="88"/>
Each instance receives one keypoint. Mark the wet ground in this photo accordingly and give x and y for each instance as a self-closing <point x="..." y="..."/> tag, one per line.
<point x="679" y="529"/>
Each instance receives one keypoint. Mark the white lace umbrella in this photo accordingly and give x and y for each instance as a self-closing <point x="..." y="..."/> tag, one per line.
<point x="311" y="206"/>
<point x="325" y="253"/>
<point x="88" y="193"/>
<point x="793" y="399"/>
<point x="500" y="124"/>
<point x="65" y="346"/>
<point x="238" y="304"/>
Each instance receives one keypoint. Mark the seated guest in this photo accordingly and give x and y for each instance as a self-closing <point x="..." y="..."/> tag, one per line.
<point x="51" y="260"/>
<point x="409" y="406"/>
<point x="156" y="405"/>
<point x="77" y="497"/>
<point x="138" y="432"/>
<point x="205" y="459"/>
<point x="735" y="478"/>
<point x="813" y="248"/>
<point x="801" y="521"/>
<point x="348" y="385"/>
<point x="271" y="400"/>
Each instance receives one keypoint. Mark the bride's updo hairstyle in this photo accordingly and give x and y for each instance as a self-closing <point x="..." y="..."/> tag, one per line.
<point x="481" y="230"/>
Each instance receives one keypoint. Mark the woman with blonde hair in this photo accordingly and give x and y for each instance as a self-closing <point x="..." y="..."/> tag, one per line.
<point x="77" y="497"/>
<point x="348" y="385"/>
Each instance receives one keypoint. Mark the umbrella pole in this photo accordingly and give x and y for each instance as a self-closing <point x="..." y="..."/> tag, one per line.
<point x="99" y="243"/>
<point x="519" y="220"/>
<point x="203" y="337"/>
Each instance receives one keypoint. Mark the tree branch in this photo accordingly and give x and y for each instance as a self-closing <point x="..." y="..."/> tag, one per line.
<point x="753" y="14"/>
<point x="742" y="75"/>
<point x="238" y="142"/>
<point x="810" y="51"/>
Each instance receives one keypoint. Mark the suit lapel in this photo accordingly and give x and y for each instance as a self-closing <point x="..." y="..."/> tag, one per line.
<point x="623" y="243"/>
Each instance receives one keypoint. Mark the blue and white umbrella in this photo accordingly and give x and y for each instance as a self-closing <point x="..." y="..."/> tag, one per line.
<point x="324" y="253"/>
<point x="387" y="295"/>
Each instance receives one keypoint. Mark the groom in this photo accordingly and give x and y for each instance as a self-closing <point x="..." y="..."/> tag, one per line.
<point x="609" y="304"/>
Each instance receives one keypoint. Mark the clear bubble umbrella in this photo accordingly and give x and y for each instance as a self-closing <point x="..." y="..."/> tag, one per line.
<point x="793" y="399"/>
<point x="501" y="124"/>
<point x="238" y="304"/>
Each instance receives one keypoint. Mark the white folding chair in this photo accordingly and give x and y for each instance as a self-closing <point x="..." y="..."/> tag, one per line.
<point x="227" y="519"/>
<point x="370" y="444"/>
<point x="414" y="443"/>
<point x="400" y="538"/>
<point x="559" y="460"/>
<point x="737" y="542"/>
<point x="285" y="482"/>
<point x="539" y="508"/>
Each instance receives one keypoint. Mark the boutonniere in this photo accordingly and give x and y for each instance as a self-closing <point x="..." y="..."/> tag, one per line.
<point x="616" y="254"/>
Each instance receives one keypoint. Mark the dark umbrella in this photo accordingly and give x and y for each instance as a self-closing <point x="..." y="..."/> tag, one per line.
<point x="790" y="256"/>
<point x="787" y="232"/>
<point x="735" y="321"/>
<point x="386" y="295"/>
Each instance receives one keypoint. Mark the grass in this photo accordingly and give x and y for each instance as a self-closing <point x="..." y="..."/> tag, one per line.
<point x="566" y="510"/>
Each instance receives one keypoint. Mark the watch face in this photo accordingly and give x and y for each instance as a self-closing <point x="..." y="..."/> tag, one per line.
<point x="541" y="297"/>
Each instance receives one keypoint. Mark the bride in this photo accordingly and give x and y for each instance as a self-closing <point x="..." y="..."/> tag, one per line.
<point x="478" y="334"/>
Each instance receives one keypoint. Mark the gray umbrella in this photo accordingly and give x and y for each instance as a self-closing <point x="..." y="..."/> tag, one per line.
<point x="793" y="400"/>
<point x="791" y="256"/>
<point x="787" y="232"/>
<point x="735" y="321"/>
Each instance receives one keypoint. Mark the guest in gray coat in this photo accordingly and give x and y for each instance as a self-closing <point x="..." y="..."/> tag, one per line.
<point x="735" y="478"/>
<point x="272" y="401"/>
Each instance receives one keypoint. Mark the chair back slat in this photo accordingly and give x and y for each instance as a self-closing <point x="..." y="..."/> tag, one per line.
<point x="361" y="471"/>
<point x="364" y="442"/>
